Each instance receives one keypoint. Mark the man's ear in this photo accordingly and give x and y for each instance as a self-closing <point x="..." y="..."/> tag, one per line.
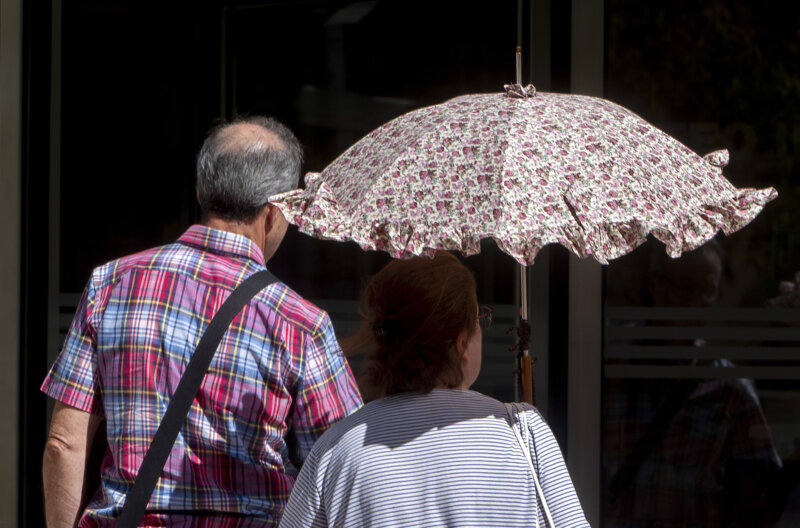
<point x="269" y="217"/>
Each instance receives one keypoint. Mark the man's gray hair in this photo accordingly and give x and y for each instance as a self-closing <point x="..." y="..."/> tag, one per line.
<point x="239" y="169"/>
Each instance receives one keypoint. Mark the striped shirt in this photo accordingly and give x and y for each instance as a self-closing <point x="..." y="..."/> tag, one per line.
<point x="444" y="459"/>
<point x="278" y="371"/>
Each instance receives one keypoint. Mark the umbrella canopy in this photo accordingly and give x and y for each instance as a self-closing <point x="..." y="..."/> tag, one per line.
<point x="526" y="169"/>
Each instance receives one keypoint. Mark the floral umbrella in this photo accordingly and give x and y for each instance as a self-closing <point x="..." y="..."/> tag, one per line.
<point x="526" y="169"/>
<point x="575" y="170"/>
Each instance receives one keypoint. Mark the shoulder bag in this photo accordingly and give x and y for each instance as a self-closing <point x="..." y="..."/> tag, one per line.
<point x="523" y="443"/>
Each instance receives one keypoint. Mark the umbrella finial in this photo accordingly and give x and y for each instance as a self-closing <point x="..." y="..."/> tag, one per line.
<point x="517" y="90"/>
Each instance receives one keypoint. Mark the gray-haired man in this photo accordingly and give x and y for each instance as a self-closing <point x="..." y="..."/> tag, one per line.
<point x="278" y="379"/>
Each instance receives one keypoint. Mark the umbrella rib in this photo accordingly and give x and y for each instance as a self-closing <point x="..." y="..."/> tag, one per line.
<point x="574" y="214"/>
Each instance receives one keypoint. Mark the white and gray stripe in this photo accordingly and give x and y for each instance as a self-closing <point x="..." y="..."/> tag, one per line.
<point x="444" y="459"/>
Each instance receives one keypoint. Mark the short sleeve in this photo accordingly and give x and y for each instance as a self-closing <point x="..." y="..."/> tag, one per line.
<point x="557" y="485"/>
<point x="327" y="390"/>
<point x="305" y="508"/>
<point x="73" y="377"/>
<point x="750" y="439"/>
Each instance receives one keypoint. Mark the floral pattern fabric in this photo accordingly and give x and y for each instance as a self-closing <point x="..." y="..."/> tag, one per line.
<point x="552" y="168"/>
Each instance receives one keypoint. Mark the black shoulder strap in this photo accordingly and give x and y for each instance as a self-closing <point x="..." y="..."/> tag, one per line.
<point x="181" y="401"/>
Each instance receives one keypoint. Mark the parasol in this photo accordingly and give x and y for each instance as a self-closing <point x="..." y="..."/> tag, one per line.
<point x="526" y="169"/>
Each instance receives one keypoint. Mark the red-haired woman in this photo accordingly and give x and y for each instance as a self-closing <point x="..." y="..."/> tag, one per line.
<point x="426" y="451"/>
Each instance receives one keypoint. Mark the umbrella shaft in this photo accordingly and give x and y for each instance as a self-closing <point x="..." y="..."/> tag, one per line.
<point x="523" y="293"/>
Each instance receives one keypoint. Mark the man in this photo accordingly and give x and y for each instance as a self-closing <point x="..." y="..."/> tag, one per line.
<point x="277" y="382"/>
<point x="686" y="452"/>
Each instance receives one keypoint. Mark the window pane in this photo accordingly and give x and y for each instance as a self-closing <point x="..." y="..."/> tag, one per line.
<point x="701" y="422"/>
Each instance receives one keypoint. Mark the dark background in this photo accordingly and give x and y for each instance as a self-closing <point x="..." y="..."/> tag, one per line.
<point x="141" y="83"/>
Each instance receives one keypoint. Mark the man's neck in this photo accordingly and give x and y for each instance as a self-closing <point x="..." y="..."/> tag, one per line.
<point x="249" y="230"/>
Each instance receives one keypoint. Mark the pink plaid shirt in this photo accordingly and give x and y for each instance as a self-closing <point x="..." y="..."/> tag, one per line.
<point x="277" y="381"/>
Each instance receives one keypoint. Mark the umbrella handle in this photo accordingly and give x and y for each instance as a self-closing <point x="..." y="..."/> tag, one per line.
<point x="526" y="373"/>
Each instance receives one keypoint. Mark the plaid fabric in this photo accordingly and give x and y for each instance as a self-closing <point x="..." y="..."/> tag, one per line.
<point x="708" y="467"/>
<point x="279" y="371"/>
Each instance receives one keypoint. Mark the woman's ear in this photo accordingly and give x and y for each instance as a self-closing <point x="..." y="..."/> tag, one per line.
<point x="461" y="343"/>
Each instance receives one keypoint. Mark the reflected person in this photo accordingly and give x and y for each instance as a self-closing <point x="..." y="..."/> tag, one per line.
<point x="686" y="452"/>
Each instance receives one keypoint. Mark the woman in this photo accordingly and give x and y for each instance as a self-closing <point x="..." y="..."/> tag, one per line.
<point x="426" y="451"/>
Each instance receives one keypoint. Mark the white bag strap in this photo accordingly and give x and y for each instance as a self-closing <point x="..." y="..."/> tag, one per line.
<point x="523" y="443"/>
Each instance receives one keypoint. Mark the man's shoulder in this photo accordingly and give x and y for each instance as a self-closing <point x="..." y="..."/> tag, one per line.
<point x="294" y="309"/>
<point x="110" y="272"/>
<point x="208" y="268"/>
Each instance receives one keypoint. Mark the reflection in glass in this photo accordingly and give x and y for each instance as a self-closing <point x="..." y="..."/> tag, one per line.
<point x="682" y="446"/>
